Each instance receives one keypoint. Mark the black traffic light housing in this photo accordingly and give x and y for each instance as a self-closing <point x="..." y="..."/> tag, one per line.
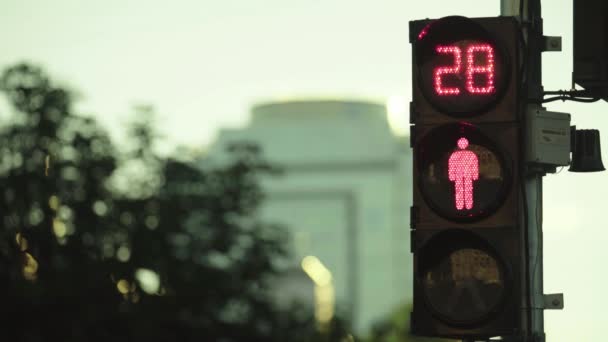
<point x="465" y="218"/>
<point x="590" y="50"/>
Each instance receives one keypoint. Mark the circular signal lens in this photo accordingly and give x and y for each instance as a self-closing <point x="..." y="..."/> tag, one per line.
<point x="462" y="279"/>
<point x="463" y="174"/>
<point x="462" y="69"/>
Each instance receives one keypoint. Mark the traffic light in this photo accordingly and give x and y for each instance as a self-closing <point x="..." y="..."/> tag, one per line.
<point x="465" y="219"/>
<point x="590" y="46"/>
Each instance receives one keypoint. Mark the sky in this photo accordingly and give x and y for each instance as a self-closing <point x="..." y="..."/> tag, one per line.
<point x="202" y="64"/>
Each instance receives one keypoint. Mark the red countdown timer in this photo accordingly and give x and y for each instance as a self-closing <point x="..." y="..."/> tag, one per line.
<point x="461" y="68"/>
<point x="462" y="172"/>
<point x="471" y="70"/>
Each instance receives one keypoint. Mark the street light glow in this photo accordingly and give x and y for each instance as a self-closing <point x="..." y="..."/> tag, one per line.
<point x="316" y="270"/>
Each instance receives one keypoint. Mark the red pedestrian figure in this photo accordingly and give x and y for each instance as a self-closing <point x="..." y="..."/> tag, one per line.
<point x="463" y="169"/>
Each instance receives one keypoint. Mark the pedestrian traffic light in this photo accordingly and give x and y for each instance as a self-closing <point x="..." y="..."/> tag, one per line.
<point x="465" y="132"/>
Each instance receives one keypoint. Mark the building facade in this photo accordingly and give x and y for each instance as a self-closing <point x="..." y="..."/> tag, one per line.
<point x="344" y="197"/>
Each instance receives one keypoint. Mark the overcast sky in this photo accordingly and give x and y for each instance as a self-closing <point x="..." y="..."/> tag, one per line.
<point x="203" y="63"/>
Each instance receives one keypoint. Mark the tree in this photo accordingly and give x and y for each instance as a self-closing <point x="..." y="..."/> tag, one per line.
<point x="51" y="225"/>
<point x="178" y="256"/>
<point x="396" y="328"/>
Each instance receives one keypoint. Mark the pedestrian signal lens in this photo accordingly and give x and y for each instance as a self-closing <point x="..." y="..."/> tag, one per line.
<point x="463" y="169"/>
<point x="462" y="278"/>
<point x="463" y="173"/>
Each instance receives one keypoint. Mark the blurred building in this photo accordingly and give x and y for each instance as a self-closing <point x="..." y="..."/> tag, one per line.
<point x="344" y="196"/>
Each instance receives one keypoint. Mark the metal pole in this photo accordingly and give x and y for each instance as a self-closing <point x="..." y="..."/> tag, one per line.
<point x="534" y="177"/>
<point x="532" y="306"/>
<point x="509" y="8"/>
<point x="534" y="195"/>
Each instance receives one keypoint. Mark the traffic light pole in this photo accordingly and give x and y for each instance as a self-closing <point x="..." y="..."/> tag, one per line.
<point x="533" y="298"/>
<point x="534" y="305"/>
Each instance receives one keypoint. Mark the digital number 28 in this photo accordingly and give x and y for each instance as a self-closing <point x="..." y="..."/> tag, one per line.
<point x="471" y="69"/>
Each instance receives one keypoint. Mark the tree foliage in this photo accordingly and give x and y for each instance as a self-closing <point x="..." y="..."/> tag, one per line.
<point x="174" y="252"/>
<point x="396" y="328"/>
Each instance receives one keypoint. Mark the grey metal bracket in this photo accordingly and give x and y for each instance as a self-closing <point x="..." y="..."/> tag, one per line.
<point x="554" y="301"/>
<point x="552" y="43"/>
